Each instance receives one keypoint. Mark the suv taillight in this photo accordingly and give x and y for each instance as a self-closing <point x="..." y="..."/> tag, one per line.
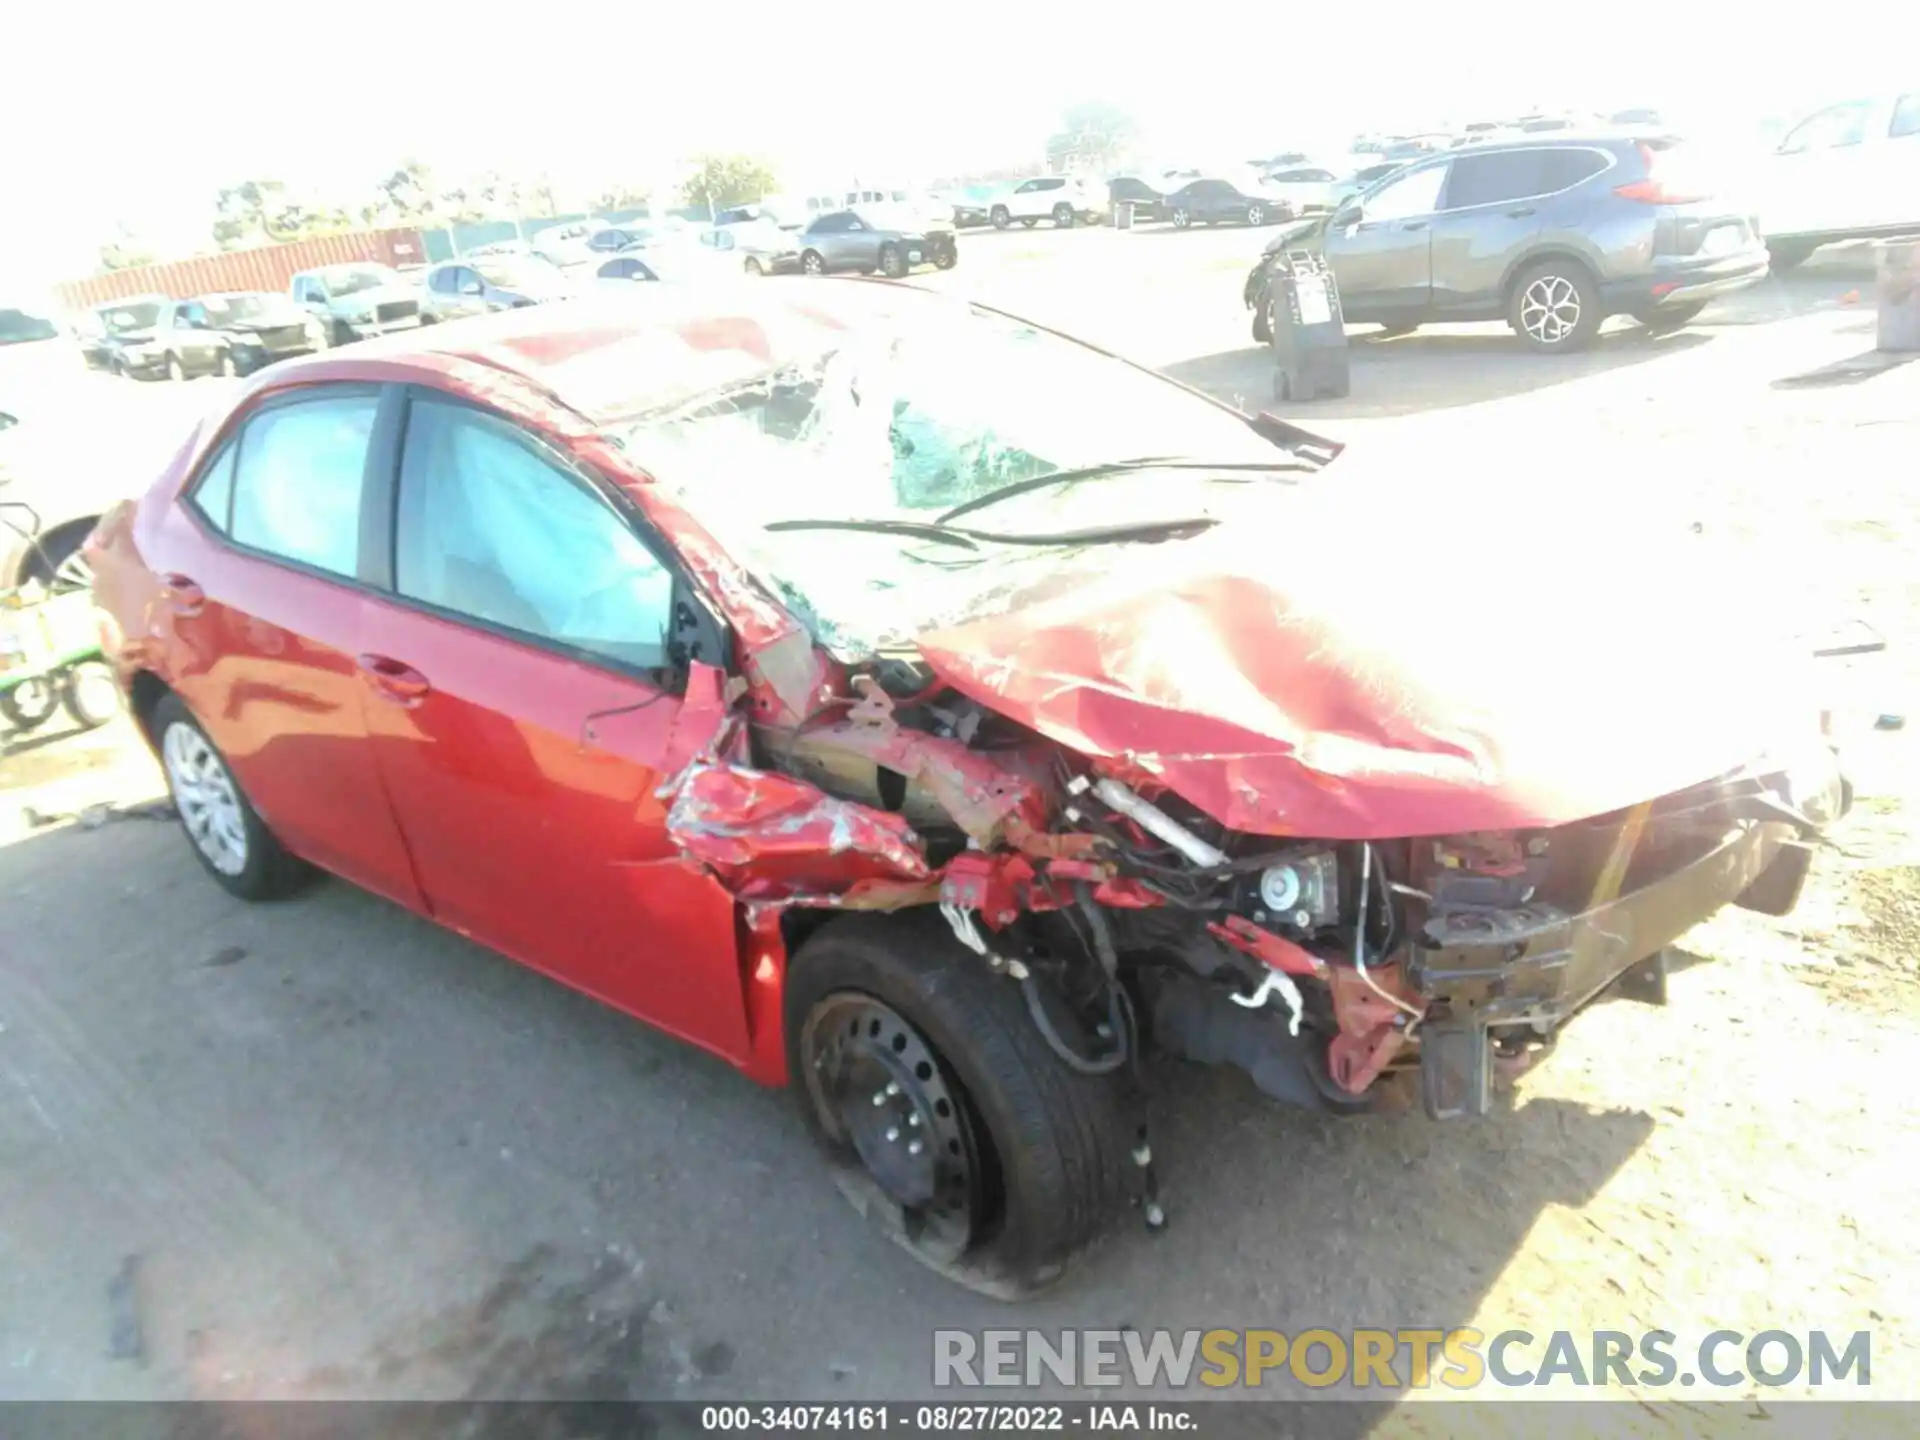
<point x="1653" y="190"/>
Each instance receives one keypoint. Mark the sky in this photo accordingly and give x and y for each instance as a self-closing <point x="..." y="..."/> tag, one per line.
<point x="138" y="115"/>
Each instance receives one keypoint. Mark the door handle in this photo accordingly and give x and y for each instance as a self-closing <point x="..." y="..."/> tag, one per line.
<point x="391" y="680"/>
<point x="184" y="596"/>
<point x="1414" y="225"/>
<point x="1523" y="211"/>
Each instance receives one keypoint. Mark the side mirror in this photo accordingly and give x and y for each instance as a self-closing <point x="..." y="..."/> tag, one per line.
<point x="472" y="287"/>
<point x="1349" y="213"/>
<point x="7" y="422"/>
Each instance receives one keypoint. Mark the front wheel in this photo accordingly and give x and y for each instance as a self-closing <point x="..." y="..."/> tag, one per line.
<point x="893" y="264"/>
<point x="945" y="1115"/>
<point x="1784" y="255"/>
<point x="1555" y="306"/>
<point x="1001" y="217"/>
<point x="227" y="834"/>
<point x="1668" y="318"/>
<point x="752" y="267"/>
<point x="813" y="263"/>
<point x="1063" y="217"/>
<point x="946" y="257"/>
<point x="1256" y="215"/>
<point x="1263" y="321"/>
<point x="1182" y="218"/>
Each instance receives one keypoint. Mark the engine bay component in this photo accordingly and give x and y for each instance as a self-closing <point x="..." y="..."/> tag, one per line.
<point x="1152" y="819"/>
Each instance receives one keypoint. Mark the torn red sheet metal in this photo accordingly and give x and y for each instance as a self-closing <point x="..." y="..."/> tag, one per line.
<point x="1340" y="691"/>
<point x="770" y="838"/>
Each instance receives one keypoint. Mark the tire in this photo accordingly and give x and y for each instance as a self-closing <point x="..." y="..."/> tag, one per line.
<point x="257" y="867"/>
<point x="1181" y="217"/>
<point x="1263" y="319"/>
<point x="90" y="695"/>
<point x="946" y="257"/>
<point x="1668" y="318"/>
<point x="1046" y="1150"/>
<point x="1063" y="217"/>
<point x="812" y="262"/>
<point x="28" y="705"/>
<point x="893" y="264"/>
<point x="752" y="267"/>
<point x="1027" y="222"/>
<point x="1391" y="330"/>
<point x="1001" y="217"/>
<point x="175" y="370"/>
<point x="1784" y="255"/>
<point x="1256" y="215"/>
<point x="1560" y="302"/>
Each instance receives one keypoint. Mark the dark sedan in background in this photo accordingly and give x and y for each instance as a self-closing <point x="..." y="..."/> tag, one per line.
<point x="874" y="239"/>
<point x="1148" y="202"/>
<point x="1552" y="235"/>
<point x="1213" y="201"/>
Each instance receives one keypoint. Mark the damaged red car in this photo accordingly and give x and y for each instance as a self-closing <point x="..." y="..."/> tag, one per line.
<point x="913" y="705"/>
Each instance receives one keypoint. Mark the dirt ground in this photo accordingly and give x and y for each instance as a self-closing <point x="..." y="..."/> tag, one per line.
<point x="358" y="1156"/>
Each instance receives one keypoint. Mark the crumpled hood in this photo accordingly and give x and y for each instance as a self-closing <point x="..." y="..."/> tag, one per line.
<point x="1371" y="660"/>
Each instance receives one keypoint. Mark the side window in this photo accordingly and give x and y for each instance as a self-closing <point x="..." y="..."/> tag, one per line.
<point x="442" y="281"/>
<point x="489" y="528"/>
<point x="1028" y="187"/>
<point x="1906" y="117"/>
<point x="1488" y="179"/>
<point x="1567" y="168"/>
<point x="1049" y="184"/>
<point x="297" y="481"/>
<point x="1417" y="193"/>
<point x="213" y="492"/>
<point x="1827" y="129"/>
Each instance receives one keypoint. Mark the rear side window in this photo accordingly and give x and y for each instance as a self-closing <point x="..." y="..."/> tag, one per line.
<point x="492" y="529"/>
<point x="1489" y="178"/>
<point x="213" y="494"/>
<point x="1828" y="129"/>
<point x="1906" y="117"/>
<point x="1563" y="169"/>
<point x="297" y="481"/>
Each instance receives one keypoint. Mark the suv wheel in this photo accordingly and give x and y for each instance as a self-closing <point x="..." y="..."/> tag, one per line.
<point x="1256" y="215"/>
<point x="1001" y="217"/>
<point x="1555" y="306"/>
<point x="1181" y="218"/>
<point x="1062" y="217"/>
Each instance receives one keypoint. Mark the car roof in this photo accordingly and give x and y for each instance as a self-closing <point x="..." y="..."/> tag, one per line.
<point x="1551" y="140"/>
<point x="588" y="362"/>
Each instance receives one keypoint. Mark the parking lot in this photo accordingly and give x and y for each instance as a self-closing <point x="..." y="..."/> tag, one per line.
<point x="352" y="1154"/>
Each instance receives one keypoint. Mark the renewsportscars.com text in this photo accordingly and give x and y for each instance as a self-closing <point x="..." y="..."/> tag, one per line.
<point x="1459" y="1359"/>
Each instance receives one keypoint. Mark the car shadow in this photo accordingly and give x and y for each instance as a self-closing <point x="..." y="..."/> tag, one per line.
<point x="1436" y="369"/>
<point x="363" y="1157"/>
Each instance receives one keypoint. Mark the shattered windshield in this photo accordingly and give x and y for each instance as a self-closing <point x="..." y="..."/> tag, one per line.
<point x="913" y="415"/>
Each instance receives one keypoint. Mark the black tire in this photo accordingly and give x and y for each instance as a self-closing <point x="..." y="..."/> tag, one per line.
<point x="1668" y="318"/>
<point x="812" y="262"/>
<point x="1263" y="320"/>
<point x="1784" y="255"/>
<point x="28" y="705"/>
<point x="1560" y="301"/>
<point x="753" y="267"/>
<point x="1001" y="217"/>
<point x="893" y="262"/>
<point x="269" y="870"/>
<point x="89" y="694"/>
<point x="1050" y="1147"/>
<point x="1181" y="217"/>
<point x="1063" y="217"/>
<point x="1256" y="215"/>
<point x="946" y="257"/>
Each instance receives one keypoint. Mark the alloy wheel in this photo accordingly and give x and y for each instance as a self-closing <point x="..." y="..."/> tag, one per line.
<point x="877" y="1086"/>
<point x="1550" y="309"/>
<point x="204" y="794"/>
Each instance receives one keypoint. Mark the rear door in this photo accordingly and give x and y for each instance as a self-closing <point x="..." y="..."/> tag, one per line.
<point x="267" y="594"/>
<point x="1382" y="261"/>
<point x="522" y="709"/>
<point x="1489" y="214"/>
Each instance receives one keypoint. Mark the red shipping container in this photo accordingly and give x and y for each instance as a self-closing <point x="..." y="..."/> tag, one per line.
<point x="270" y="268"/>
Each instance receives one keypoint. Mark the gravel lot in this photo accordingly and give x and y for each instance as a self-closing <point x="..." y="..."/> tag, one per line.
<point x="356" y="1155"/>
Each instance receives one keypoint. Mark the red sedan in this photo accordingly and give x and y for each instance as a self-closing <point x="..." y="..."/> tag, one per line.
<point x="885" y="693"/>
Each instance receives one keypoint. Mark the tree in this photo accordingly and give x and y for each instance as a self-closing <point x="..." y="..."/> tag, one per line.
<point x="622" y="197"/>
<point x="722" y="180"/>
<point x="124" y="251"/>
<point x="254" y="212"/>
<point x="408" y="192"/>
<point x="1092" y="133"/>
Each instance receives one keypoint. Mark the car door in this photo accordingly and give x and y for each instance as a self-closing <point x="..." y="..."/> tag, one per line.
<point x="860" y="242"/>
<point x="1380" y="249"/>
<point x="522" y="715"/>
<point x="266" y="579"/>
<point x="1893" y="195"/>
<point x="1819" y="181"/>
<point x="1489" y="214"/>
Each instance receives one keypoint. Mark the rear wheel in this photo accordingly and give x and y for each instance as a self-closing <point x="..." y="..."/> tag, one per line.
<point x="1669" y="317"/>
<point x="1256" y="215"/>
<point x="893" y="264"/>
<point x="1555" y="306"/>
<point x="946" y="257"/>
<point x="752" y="266"/>
<point x="1001" y="217"/>
<point x="1063" y="217"/>
<point x="947" y="1119"/>
<point x="226" y="832"/>
<point x="1263" y="320"/>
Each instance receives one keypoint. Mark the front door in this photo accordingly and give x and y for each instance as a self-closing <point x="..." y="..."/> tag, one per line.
<point x="1382" y="257"/>
<point x="266" y="613"/>
<point x="1494" y="205"/>
<point x="522" y="719"/>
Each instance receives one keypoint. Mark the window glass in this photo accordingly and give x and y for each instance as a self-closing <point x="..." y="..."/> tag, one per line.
<point x="490" y="528"/>
<point x="1836" y="125"/>
<point x="1906" y="117"/>
<point x="1417" y="193"/>
<point x="1487" y="179"/>
<point x="296" y="485"/>
<point x="213" y="494"/>
<point x="442" y="282"/>
<point x="1567" y="168"/>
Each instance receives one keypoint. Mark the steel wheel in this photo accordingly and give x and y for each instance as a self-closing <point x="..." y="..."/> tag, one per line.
<point x="1550" y="309"/>
<point x="812" y="263"/>
<point x="28" y="704"/>
<point x="1255" y="215"/>
<point x="877" y="1088"/>
<point x="204" y="794"/>
<point x="1181" y="219"/>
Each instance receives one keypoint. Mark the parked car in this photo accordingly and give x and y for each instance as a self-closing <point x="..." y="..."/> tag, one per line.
<point x="1847" y="172"/>
<point x="873" y="240"/>
<point x="1148" y="202"/>
<point x="972" y="205"/>
<point x="681" y="259"/>
<point x="118" y="335"/>
<point x="1059" y="198"/>
<point x="21" y="327"/>
<point x="759" y="246"/>
<point x="357" y="300"/>
<point x="1302" y="188"/>
<point x="225" y="334"/>
<point x="566" y="244"/>
<point x="1364" y="178"/>
<point x="1552" y="235"/>
<point x="612" y="239"/>
<point x="480" y="286"/>
<point x="1214" y="200"/>
<point x="774" y="664"/>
